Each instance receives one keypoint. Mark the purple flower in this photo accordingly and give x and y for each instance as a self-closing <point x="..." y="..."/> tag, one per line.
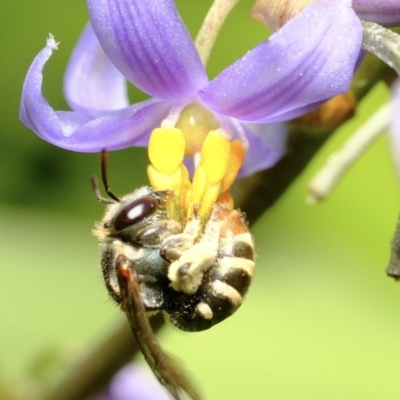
<point x="131" y="383"/>
<point x="310" y="59"/>
<point x="383" y="12"/>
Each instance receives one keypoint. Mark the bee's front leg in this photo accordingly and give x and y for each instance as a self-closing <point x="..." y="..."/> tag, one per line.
<point x="186" y="273"/>
<point x="174" y="246"/>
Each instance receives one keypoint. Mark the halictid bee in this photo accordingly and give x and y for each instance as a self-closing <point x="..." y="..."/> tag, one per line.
<point x="195" y="271"/>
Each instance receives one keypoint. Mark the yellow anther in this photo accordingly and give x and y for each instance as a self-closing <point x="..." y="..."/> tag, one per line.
<point x="166" y="149"/>
<point x="215" y="156"/>
<point x="210" y="197"/>
<point x="186" y="186"/>
<point x="235" y="162"/>
<point x="160" y="181"/>
<point x="219" y="162"/>
<point x="199" y="186"/>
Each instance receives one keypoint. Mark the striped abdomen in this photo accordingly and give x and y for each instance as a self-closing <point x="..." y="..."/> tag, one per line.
<point x="211" y="278"/>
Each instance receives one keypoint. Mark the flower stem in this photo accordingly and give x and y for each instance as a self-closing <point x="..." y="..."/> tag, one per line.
<point x="339" y="163"/>
<point x="384" y="43"/>
<point x="212" y="24"/>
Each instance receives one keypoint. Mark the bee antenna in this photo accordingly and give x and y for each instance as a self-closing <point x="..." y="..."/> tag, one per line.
<point x="95" y="184"/>
<point x="96" y="190"/>
<point x="104" y="157"/>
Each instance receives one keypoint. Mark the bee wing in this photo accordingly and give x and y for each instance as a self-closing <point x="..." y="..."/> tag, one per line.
<point x="162" y="366"/>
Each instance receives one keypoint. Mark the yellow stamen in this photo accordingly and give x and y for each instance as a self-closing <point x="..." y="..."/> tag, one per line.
<point x="207" y="179"/>
<point x="166" y="149"/>
<point x="215" y="156"/>
<point x="166" y="152"/>
<point x="199" y="186"/>
<point x="235" y="162"/>
<point x="219" y="162"/>
<point x="186" y="186"/>
<point x="160" y="181"/>
<point x="209" y="198"/>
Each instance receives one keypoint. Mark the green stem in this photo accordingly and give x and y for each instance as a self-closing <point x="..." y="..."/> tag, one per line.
<point x="212" y="24"/>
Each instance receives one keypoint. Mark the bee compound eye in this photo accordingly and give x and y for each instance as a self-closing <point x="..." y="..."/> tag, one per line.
<point x="135" y="212"/>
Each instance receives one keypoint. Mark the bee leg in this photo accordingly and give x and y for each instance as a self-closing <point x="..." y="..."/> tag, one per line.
<point x="163" y="367"/>
<point x="174" y="246"/>
<point x="187" y="272"/>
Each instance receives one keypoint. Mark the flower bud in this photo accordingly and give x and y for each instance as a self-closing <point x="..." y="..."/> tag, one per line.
<point x="275" y="13"/>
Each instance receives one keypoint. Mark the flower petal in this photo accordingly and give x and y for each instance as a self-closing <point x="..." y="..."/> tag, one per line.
<point x="300" y="64"/>
<point x="130" y="383"/>
<point x="288" y="115"/>
<point x="148" y="42"/>
<point x="78" y="131"/>
<point x="265" y="144"/>
<point x="275" y="13"/>
<point x="383" y="12"/>
<point x="91" y="81"/>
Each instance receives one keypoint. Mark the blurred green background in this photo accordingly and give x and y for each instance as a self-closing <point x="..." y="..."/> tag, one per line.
<point x="322" y="320"/>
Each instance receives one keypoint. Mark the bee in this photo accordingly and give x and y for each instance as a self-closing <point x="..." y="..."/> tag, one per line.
<point x="195" y="271"/>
